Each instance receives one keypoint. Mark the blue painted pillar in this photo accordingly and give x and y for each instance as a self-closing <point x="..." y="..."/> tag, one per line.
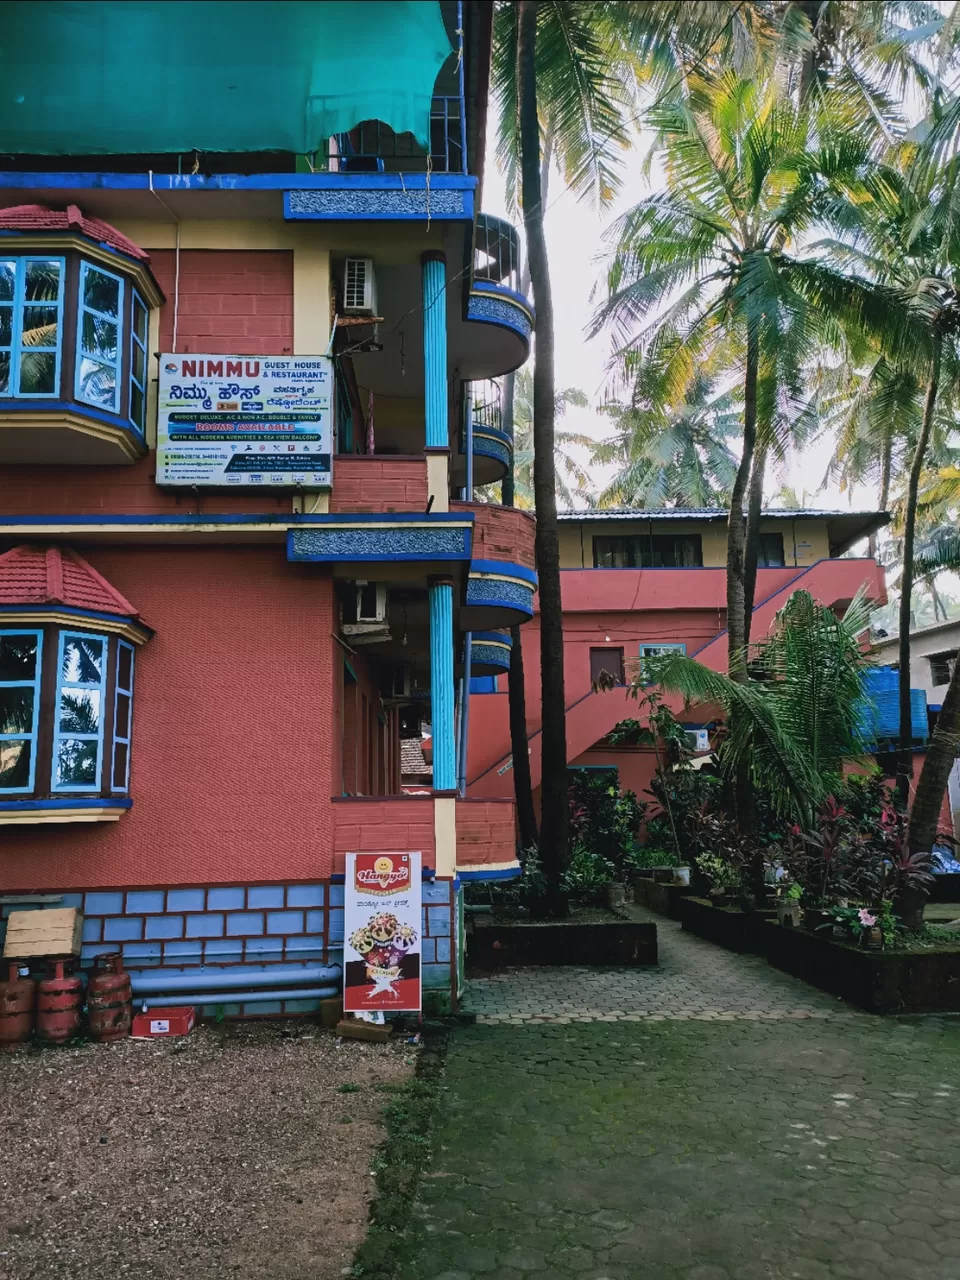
<point x="434" y="292"/>
<point x="441" y="685"/>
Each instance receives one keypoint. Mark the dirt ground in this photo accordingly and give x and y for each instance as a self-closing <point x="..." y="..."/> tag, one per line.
<point x="238" y="1151"/>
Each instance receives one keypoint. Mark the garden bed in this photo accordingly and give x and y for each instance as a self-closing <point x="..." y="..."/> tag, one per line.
<point x="729" y="927"/>
<point x="659" y="896"/>
<point x="592" y="937"/>
<point x="878" y="981"/>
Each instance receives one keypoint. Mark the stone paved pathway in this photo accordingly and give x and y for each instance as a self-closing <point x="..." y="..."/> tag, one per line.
<point x="739" y="1147"/>
<point x="694" y="980"/>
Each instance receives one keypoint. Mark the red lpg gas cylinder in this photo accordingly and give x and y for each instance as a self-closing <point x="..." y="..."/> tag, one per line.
<point x="109" y="999"/>
<point x="59" y="1001"/>
<point x="17" y="996"/>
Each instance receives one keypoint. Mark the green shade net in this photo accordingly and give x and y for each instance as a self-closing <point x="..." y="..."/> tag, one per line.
<point x="211" y="75"/>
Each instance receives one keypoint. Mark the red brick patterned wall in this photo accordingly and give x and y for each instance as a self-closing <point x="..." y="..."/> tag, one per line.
<point x="486" y="831"/>
<point x="231" y="772"/>
<point x="378" y="484"/>
<point x="232" y="302"/>
<point x="374" y="824"/>
<point x="501" y="533"/>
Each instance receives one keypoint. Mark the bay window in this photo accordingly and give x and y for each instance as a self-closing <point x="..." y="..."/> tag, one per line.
<point x="66" y="711"/>
<point x="74" y="332"/>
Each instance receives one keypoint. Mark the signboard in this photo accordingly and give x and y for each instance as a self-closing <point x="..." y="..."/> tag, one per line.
<point x="241" y="421"/>
<point x="382" y="923"/>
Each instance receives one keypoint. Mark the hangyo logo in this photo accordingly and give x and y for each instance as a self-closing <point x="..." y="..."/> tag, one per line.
<point x="382" y="873"/>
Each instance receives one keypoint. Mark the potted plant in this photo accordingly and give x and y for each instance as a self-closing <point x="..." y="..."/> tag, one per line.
<point x="722" y="877"/>
<point x="788" y="904"/>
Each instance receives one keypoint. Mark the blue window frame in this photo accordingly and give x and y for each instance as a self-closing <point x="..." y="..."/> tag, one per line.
<point x="31" y="326"/>
<point x="656" y="649"/>
<point x="21" y="653"/>
<point x="78" y="726"/>
<point x="122" y="718"/>
<point x="138" y="363"/>
<point x="99" y="338"/>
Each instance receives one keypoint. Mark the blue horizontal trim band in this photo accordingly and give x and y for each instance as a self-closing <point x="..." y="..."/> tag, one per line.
<point x="72" y="802"/>
<point x="493" y="433"/>
<point x="493" y="637"/>
<point x="508" y="568"/>
<point x="503" y="291"/>
<point x="68" y="181"/>
<point x="507" y="873"/>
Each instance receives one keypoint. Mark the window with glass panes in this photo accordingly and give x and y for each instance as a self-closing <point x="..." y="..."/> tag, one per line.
<point x="20" y="655"/>
<point x="31" y="324"/>
<point x="78" y="730"/>
<point x="122" y="718"/>
<point x="770" y="551"/>
<point x="138" y="363"/>
<point x="99" y="321"/>
<point x="648" y="551"/>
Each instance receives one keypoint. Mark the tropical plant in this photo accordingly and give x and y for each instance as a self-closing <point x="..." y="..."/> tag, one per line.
<point x="670" y="455"/>
<point x="800" y="707"/>
<point x="603" y="820"/>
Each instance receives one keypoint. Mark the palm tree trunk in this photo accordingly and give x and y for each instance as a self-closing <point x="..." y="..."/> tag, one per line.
<point x="736" y="526"/>
<point x="886" y="458"/>
<point x="752" y="549"/>
<point x="554" y="825"/>
<point x="522" y="785"/>
<point x="737" y="626"/>
<point x="905" y="761"/>
<point x="935" y="774"/>
<point x="516" y="687"/>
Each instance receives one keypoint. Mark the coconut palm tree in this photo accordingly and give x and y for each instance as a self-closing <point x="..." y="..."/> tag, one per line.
<point x="702" y="271"/>
<point x="573" y="482"/>
<point x="562" y="67"/>
<point x="671" y="455"/>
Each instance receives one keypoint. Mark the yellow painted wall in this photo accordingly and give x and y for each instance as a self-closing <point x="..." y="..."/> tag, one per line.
<point x="810" y="536"/>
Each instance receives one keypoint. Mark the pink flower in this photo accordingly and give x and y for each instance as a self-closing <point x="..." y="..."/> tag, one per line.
<point x="866" y="919"/>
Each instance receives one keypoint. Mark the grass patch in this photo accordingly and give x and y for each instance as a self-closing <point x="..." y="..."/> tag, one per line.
<point x="409" y="1116"/>
<point x="349" y="1088"/>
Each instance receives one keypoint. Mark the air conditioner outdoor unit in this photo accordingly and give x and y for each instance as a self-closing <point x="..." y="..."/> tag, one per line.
<point x="697" y="739"/>
<point x="359" y="287"/>
<point x="371" y="601"/>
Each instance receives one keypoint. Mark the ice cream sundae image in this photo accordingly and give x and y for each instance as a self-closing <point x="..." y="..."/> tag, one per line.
<point x="382" y="943"/>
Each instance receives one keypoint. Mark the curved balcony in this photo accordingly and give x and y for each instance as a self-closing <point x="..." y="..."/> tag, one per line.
<point x="492" y="447"/>
<point x="502" y="581"/>
<point x="494" y="300"/>
<point x="490" y="653"/>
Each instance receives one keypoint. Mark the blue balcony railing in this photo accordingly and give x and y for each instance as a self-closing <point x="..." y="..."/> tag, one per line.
<point x="497" y="252"/>
<point x="373" y="147"/>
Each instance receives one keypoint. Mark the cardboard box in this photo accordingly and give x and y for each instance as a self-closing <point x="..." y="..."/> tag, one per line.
<point x="51" y="932"/>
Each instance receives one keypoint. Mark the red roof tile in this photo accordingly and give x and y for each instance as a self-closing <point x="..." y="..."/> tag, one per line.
<point x="57" y="575"/>
<point x="37" y="217"/>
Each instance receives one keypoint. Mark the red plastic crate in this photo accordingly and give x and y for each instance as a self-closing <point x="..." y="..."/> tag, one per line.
<point x="170" y="1020"/>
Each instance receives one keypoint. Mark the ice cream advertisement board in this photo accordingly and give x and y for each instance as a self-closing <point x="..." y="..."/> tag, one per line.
<point x="382" y="925"/>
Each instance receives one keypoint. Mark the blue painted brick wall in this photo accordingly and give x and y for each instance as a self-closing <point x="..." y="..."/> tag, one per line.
<point x="255" y="925"/>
